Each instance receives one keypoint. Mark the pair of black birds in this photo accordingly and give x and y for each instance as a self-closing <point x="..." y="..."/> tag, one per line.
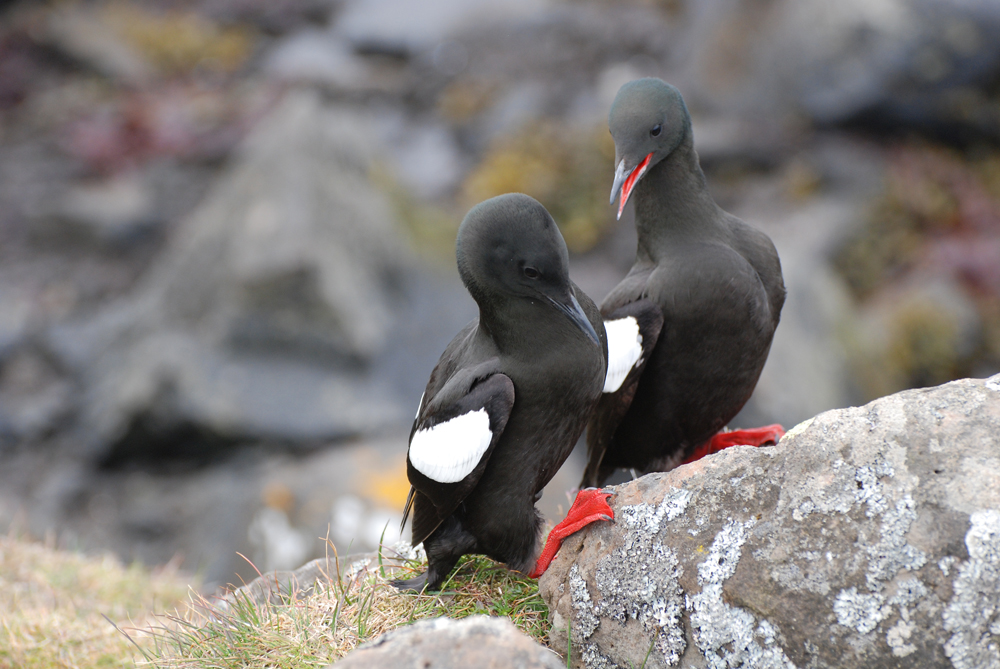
<point x="673" y="353"/>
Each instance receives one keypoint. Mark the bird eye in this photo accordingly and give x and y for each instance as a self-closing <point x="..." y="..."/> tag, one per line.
<point x="531" y="272"/>
<point x="656" y="130"/>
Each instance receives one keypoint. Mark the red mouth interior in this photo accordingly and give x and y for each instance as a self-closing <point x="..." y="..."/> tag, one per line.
<point x="633" y="176"/>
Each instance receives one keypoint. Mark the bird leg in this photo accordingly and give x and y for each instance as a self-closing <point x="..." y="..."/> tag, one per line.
<point x="444" y="547"/>
<point x="590" y="505"/>
<point x="760" y="436"/>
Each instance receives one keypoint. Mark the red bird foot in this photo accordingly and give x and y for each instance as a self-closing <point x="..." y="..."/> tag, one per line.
<point x="761" y="436"/>
<point x="590" y="505"/>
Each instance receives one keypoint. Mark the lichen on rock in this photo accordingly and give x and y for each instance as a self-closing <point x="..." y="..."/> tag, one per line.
<point x="869" y="536"/>
<point x="727" y="635"/>
<point x="638" y="580"/>
<point x="973" y="614"/>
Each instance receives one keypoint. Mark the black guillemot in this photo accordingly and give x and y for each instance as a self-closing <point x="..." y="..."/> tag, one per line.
<point x="508" y="399"/>
<point x="689" y="328"/>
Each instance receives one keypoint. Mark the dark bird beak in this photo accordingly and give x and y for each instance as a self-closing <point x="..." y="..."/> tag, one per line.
<point x="574" y="311"/>
<point x="626" y="182"/>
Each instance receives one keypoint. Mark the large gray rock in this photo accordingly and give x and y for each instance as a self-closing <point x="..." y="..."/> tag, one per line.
<point x="923" y="63"/>
<point x="868" y="536"/>
<point x="271" y="300"/>
<point x="476" y="641"/>
<point x="399" y="26"/>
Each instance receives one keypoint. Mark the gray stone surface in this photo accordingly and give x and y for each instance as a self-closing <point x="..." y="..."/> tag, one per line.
<point x="111" y="213"/>
<point x="443" y="643"/>
<point x="868" y="536"/>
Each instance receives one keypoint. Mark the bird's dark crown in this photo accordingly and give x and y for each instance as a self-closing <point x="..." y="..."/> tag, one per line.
<point x="509" y="246"/>
<point x="648" y="116"/>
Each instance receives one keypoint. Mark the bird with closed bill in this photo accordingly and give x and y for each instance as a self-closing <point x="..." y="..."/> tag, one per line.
<point x="509" y="397"/>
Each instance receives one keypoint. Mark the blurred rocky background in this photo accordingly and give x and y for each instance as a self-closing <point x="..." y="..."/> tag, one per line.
<point x="227" y="228"/>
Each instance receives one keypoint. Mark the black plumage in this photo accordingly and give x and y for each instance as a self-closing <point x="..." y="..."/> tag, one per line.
<point x="509" y="397"/>
<point x="706" y="290"/>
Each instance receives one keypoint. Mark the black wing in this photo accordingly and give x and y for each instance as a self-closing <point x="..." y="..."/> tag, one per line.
<point x="454" y="435"/>
<point x="633" y="330"/>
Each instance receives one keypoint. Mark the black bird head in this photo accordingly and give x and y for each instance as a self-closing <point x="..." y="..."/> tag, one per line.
<point x="648" y="120"/>
<point x="509" y="247"/>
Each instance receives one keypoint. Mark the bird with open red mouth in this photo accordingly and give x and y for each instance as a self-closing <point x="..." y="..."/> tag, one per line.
<point x="690" y="327"/>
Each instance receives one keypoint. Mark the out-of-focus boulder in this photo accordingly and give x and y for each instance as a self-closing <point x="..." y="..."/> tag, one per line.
<point x="806" y="370"/>
<point x="476" y="641"/>
<point x="84" y="36"/>
<point x="400" y="27"/>
<point x="891" y="63"/>
<point x="272" y="298"/>
<point x="113" y="213"/>
<point x="34" y="400"/>
<point x="868" y="536"/>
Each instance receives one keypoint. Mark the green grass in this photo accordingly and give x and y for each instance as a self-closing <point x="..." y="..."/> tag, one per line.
<point x="63" y="610"/>
<point x="311" y="628"/>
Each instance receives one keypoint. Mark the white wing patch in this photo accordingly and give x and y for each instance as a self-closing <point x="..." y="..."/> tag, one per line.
<point x="624" y="350"/>
<point x="449" y="451"/>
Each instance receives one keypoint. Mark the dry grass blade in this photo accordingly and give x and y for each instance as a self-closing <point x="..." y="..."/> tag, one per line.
<point x="55" y="607"/>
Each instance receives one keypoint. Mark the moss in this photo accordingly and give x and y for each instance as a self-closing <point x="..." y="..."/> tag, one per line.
<point x="318" y="625"/>
<point x="922" y="349"/>
<point x="913" y="206"/>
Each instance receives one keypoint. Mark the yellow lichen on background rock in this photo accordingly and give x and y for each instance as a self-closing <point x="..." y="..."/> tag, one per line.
<point x="568" y="170"/>
<point x="176" y="42"/>
<point x="464" y="99"/>
<point x="923" y="346"/>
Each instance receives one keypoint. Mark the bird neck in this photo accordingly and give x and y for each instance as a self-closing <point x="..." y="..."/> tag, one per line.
<point x="673" y="205"/>
<point x="509" y="332"/>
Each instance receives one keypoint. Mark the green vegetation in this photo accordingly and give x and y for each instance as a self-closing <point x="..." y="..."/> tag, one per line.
<point x="61" y="610"/>
<point x="314" y="627"/>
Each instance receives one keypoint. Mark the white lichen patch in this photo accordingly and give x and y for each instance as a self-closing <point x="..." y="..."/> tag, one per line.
<point x="584" y="616"/>
<point x="638" y="517"/>
<point x="729" y="636"/>
<point x="892" y="553"/>
<point x="946" y="563"/>
<point x="870" y="490"/>
<point x="898" y="638"/>
<point x="973" y="614"/>
<point x="859" y="611"/>
<point x="789" y="575"/>
<point x="724" y="554"/>
<point x="908" y="592"/>
<point x="593" y="658"/>
<point x="888" y="556"/>
<point x="639" y="579"/>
